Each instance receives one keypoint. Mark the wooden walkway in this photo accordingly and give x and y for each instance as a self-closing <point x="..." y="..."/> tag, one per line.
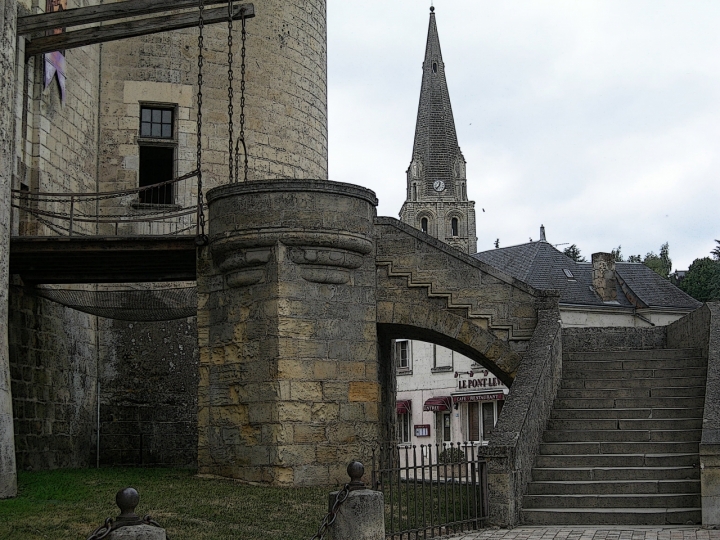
<point x="113" y="259"/>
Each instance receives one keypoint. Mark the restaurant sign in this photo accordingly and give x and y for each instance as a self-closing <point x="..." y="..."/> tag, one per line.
<point x="478" y="397"/>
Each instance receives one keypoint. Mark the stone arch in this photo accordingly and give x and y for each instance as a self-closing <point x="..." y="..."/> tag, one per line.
<point x="447" y="327"/>
<point x="427" y="319"/>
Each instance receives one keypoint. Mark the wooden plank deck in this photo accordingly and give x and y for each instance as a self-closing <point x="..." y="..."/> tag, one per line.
<point x="116" y="259"/>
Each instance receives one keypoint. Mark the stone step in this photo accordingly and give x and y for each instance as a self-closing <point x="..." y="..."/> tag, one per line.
<point x="597" y="399"/>
<point x="636" y="354"/>
<point x="613" y="384"/>
<point x="694" y="362"/>
<point x="602" y="447"/>
<point x="646" y="413"/>
<point x="617" y="435"/>
<point x="613" y="486"/>
<point x="595" y="374"/>
<point x="612" y="516"/>
<point x="627" y="500"/>
<point x="631" y="393"/>
<point x="625" y="424"/>
<point x="556" y="461"/>
<point x="586" y="474"/>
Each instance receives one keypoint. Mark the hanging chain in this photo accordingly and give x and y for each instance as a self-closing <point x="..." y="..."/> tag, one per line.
<point x="230" y="86"/>
<point x="201" y="237"/>
<point x="329" y="519"/>
<point x="242" y="100"/>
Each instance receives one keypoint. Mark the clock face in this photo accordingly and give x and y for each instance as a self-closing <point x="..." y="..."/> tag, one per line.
<point x="438" y="185"/>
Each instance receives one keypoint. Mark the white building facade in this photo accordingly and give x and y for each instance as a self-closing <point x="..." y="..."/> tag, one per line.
<point x="444" y="397"/>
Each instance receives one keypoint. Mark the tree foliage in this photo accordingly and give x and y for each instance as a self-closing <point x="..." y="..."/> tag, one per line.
<point x="716" y="252"/>
<point x="660" y="264"/>
<point x="702" y="280"/>
<point x="574" y="253"/>
<point x="617" y="254"/>
<point x="635" y="258"/>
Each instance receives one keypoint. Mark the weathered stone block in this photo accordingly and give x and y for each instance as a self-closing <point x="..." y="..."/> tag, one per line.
<point x="364" y="391"/>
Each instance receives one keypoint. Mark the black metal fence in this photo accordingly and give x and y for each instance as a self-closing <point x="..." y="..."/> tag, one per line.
<point x="431" y="490"/>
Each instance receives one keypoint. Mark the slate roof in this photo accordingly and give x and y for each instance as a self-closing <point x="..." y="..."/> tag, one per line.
<point x="540" y="265"/>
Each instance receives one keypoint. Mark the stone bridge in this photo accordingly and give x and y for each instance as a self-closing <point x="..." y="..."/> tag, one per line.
<point x="301" y="290"/>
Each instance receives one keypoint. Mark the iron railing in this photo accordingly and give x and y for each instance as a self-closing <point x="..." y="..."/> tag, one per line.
<point x="165" y="208"/>
<point x="431" y="490"/>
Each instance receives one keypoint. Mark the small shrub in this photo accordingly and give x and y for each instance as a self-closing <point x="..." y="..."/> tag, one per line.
<point x="451" y="455"/>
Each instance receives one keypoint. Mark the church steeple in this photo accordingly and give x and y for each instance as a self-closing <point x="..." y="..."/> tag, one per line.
<point x="436" y="183"/>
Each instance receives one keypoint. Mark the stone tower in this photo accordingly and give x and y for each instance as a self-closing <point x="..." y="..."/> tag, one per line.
<point x="437" y="200"/>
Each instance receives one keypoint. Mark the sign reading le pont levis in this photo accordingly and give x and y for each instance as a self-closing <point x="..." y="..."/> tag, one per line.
<point x="472" y="384"/>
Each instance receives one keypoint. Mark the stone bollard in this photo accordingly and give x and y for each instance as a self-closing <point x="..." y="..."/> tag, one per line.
<point x="362" y="515"/>
<point x="128" y="525"/>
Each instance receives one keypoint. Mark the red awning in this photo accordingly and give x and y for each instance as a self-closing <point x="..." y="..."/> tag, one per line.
<point x="438" y="404"/>
<point x="403" y="406"/>
<point x="479" y="397"/>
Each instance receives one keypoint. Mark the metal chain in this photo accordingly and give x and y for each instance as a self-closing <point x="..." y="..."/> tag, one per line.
<point x="230" y="86"/>
<point x="201" y="237"/>
<point x="242" y="99"/>
<point x="329" y="519"/>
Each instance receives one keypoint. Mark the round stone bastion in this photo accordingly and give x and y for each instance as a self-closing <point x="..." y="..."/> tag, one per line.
<point x="289" y="389"/>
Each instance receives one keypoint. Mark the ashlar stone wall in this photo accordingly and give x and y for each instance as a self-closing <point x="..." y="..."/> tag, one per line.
<point x="8" y="11"/>
<point x="148" y="393"/>
<point x="52" y="349"/>
<point x="289" y="382"/>
<point x="54" y="377"/>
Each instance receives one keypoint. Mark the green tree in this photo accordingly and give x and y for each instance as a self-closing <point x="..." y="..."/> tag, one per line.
<point x="702" y="280"/>
<point x="635" y="258"/>
<point x="716" y="252"/>
<point x="617" y="254"/>
<point x="660" y="264"/>
<point x="574" y="253"/>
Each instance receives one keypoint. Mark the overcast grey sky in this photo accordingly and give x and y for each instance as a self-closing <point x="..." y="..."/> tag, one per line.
<point x="598" y="119"/>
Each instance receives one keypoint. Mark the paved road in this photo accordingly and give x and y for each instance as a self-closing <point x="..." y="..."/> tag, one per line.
<point x="594" y="533"/>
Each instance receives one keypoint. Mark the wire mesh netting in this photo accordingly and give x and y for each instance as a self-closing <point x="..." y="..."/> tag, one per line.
<point x="144" y="305"/>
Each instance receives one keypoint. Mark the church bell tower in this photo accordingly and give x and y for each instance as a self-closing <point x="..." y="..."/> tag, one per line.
<point x="437" y="201"/>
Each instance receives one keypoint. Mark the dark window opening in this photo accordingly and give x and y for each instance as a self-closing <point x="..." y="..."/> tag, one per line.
<point x="454" y="226"/>
<point x="473" y="421"/>
<point x="156" y="165"/>
<point x="156" y="123"/>
<point x="434" y="67"/>
<point x="404" y="422"/>
<point x="424" y="225"/>
<point x="447" y="437"/>
<point x="488" y="420"/>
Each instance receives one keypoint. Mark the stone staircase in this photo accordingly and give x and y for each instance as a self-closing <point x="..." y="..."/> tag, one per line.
<point x="621" y="447"/>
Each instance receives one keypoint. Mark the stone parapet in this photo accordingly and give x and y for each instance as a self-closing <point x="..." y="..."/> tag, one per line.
<point x="516" y="440"/>
<point x="701" y="330"/>
<point x="289" y="386"/>
<point x="613" y="338"/>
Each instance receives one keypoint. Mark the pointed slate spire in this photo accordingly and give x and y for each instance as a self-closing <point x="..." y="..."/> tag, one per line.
<point x="437" y="200"/>
<point x="436" y="154"/>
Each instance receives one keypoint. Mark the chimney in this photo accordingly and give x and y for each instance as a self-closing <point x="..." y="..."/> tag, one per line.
<point x="542" y="233"/>
<point x="604" y="280"/>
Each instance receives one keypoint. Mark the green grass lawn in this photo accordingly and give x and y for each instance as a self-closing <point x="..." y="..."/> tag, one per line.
<point x="70" y="504"/>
